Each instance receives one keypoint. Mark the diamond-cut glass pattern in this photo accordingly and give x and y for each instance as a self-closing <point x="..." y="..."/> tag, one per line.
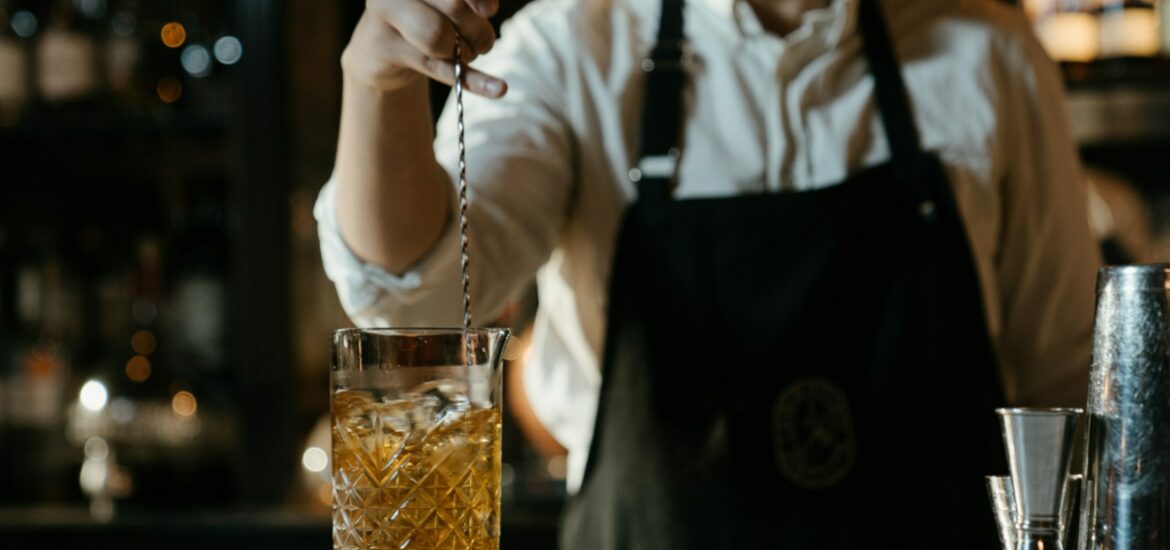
<point x="397" y="487"/>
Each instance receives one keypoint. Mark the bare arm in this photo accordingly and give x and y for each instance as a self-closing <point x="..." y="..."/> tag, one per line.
<point x="392" y="195"/>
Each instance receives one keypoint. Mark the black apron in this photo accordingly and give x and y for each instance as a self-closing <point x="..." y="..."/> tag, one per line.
<point x="792" y="370"/>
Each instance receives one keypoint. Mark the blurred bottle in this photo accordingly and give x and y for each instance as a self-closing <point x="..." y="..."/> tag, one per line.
<point x="38" y="377"/>
<point x="1129" y="28"/>
<point x="37" y="385"/>
<point x="123" y="53"/>
<point x="198" y="298"/>
<point x="8" y="330"/>
<point x="13" y="69"/>
<point x="66" y="57"/>
<point x="146" y="281"/>
<point x="146" y="288"/>
<point x="128" y="310"/>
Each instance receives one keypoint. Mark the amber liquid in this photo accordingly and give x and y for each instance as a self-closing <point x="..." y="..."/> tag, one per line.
<point x="408" y="474"/>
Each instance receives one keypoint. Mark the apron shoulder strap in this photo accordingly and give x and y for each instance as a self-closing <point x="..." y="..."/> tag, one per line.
<point x="665" y="70"/>
<point x="889" y="87"/>
<point x="918" y="172"/>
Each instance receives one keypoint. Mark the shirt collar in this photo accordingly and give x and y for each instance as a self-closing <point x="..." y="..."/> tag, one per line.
<point x="831" y="24"/>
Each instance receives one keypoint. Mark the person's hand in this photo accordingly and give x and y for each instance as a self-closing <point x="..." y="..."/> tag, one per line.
<point x="399" y="42"/>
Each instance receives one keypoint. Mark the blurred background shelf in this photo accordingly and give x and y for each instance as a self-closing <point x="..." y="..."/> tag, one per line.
<point x="96" y="123"/>
<point x="159" y="160"/>
<point x="75" y="151"/>
<point x="1120" y="113"/>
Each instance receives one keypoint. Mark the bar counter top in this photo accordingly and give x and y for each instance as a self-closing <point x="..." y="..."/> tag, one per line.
<point x="30" y="528"/>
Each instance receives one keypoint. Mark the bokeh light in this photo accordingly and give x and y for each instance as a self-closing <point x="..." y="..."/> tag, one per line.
<point x="228" y="50"/>
<point x="93" y="395"/>
<point x="196" y="60"/>
<point x="507" y="475"/>
<point x="138" y="368"/>
<point x="183" y="403"/>
<point x="124" y="23"/>
<point x="93" y="9"/>
<point x="96" y="448"/>
<point x="122" y="410"/>
<point x="169" y="89"/>
<point x="93" y="476"/>
<point x="173" y="34"/>
<point x="143" y="342"/>
<point x="314" y="459"/>
<point x="24" y="24"/>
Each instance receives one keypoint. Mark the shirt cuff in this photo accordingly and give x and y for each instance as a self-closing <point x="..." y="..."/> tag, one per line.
<point x="362" y="285"/>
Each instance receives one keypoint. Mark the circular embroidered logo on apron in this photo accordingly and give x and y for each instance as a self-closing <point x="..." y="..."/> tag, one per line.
<point x="812" y="433"/>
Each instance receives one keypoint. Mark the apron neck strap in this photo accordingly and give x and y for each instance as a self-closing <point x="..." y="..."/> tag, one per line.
<point x="889" y="88"/>
<point x="666" y="68"/>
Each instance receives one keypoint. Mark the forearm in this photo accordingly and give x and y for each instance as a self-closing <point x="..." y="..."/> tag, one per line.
<point x="392" y="195"/>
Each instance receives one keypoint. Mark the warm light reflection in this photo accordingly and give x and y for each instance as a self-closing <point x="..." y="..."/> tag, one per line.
<point x="138" y="368"/>
<point x="143" y="342"/>
<point x="183" y="403"/>
<point x="1070" y="36"/>
<point x="173" y="34"/>
<point x="41" y="363"/>
<point x="93" y="395"/>
<point x="169" y="89"/>
<point x="314" y="459"/>
<point x="1130" y="32"/>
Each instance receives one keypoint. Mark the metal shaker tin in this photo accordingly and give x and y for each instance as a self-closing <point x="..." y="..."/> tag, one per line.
<point x="1126" y="497"/>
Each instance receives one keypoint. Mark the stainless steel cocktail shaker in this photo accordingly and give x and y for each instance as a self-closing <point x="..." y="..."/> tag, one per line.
<point x="1126" y="496"/>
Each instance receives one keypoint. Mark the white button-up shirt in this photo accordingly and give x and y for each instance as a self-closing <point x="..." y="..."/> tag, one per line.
<point x="547" y="166"/>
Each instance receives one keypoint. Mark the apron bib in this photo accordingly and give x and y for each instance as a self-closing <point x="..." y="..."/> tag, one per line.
<point x="793" y="370"/>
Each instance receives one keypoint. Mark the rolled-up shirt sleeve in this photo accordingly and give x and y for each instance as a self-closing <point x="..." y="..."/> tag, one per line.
<point x="519" y="173"/>
<point x="372" y="296"/>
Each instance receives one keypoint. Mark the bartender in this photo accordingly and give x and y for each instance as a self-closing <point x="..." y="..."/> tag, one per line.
<point x="790" y="253"/>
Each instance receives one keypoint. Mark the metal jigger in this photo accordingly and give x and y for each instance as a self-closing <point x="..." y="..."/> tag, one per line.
<point x="1039" y="447"/>
<point x="1003" y="507"/>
